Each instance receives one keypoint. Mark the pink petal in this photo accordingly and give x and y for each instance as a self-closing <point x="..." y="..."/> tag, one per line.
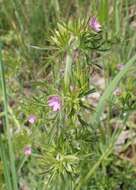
<point x="94" y="24"/>
<point x="56" y="107"/>
<point x="54" y="102"/>
<point x="51" y="104"/>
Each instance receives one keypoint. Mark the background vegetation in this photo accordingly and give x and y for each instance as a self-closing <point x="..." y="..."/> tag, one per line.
<point x="47" y="49"/>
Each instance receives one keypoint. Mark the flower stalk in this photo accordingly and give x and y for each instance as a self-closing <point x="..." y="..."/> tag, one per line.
<point x="68" y="71"/>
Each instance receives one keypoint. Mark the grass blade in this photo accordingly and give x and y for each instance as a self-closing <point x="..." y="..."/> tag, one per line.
<point x="106" y="95"/>
<point x="104" y="155"/>
<point x="10" y="147"/>
<point x="5" y="166"/>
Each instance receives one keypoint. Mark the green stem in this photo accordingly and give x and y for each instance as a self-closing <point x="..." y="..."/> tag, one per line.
<point x="10" y="147"/>
<point x="14" y="117"/>
<point x="21" y="164"/>
<point x="5" y="165"/>
<point x="67" y="74"/>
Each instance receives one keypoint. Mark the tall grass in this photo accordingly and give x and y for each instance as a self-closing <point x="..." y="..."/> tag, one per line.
<point x="108" y="92"/>
<point x="69" y="150"/>
<point x="8" y="167"/>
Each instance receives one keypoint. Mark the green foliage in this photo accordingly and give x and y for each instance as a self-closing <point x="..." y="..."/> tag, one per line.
<point x="49" y="49"/>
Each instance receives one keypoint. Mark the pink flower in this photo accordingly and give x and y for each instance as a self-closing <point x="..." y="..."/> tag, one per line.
<point x="54" y="102"/>
<point x="27" y="151"/>
<point x="32" y="119"/>
<point x="94" y="24"/>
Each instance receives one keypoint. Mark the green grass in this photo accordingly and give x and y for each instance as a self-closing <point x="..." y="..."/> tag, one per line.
<point x="8" y="136"/>
<point x="49" y="50"/>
